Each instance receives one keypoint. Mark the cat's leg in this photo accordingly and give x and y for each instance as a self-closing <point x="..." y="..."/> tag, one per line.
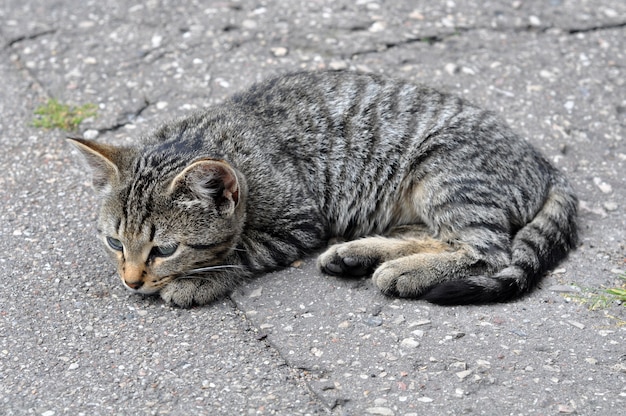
<point x="361" y="257"/>
<point x="479" y="249"/>
<point x="412" y="275"/>
<point x="408" y="264"/>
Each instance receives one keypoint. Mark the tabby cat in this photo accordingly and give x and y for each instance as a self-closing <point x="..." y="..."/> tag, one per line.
<point x="435" y="198"/>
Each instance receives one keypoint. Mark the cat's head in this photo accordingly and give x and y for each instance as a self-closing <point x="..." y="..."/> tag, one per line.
<point x="163" y="217"/>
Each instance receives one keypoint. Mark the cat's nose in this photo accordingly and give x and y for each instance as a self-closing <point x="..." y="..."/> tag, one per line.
<point x="134" y="285"/>
<point x="133" y="275"/>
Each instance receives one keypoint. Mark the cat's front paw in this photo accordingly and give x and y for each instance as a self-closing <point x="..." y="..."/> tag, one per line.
<point x="188" y="292"/>
<point x="180" y="292"/>
<point x="354" y="258"/>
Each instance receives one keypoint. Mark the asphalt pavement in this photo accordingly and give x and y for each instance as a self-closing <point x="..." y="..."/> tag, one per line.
<point x="73" y="341"/>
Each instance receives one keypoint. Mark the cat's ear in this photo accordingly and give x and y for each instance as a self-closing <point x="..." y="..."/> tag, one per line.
<point x="101" y="158"/>
<point x="209" y="179"/>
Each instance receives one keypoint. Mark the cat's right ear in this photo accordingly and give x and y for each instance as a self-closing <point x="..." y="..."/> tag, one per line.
<point x="101" y="159"/>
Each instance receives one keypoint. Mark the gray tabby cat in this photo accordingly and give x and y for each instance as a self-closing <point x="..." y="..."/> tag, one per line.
<point x="440" y="199"/>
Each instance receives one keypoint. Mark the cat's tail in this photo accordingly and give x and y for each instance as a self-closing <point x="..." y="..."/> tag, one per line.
<point x="536" y="248"/>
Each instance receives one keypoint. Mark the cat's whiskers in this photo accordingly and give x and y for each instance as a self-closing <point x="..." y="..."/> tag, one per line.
<point x="221" y="266"/>
<point x="193" y="273"/>
<point x="184" y="277"/>
<point x="162" y="282"/>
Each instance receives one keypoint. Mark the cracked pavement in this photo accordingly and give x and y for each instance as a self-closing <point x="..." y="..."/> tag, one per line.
<point x="73" y="341"/>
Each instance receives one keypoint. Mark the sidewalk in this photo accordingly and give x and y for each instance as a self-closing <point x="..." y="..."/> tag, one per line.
<point x="73" y="341"/>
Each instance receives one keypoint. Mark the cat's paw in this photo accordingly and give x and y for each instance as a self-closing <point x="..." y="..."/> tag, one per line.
<point x="401" y="278"/>
<point x="354" y="258"/>
<point x="180" y="292"/>
<point x="186" y="293"/>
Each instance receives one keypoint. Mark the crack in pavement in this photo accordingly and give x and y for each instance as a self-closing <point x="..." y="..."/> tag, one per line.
<point x="130" y="117"/>
<point x="609" y="26"/>
<point x="28" y="73"/>
<point x="294" y="368"/>
<point x="12" y="42"/>
<point x="457" y="31"/>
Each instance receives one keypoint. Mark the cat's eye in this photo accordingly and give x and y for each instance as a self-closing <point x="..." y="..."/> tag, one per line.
<point x="163" y="251"/>
<point x="115" y="244"/>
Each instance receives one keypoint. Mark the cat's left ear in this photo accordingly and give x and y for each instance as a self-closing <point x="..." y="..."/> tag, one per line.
<point x="209" y="180"/>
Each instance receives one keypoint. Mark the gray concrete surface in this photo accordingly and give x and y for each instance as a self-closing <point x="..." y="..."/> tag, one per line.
<point x="73" y="341"/>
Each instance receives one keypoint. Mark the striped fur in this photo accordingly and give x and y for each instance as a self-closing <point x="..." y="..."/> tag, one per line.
<point x="439" y="199"/>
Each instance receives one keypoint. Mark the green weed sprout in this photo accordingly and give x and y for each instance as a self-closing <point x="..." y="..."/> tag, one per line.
<point x="54" y="115"/>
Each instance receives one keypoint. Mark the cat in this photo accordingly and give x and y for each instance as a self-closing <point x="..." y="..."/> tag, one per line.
<point x="434" y="197"/>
